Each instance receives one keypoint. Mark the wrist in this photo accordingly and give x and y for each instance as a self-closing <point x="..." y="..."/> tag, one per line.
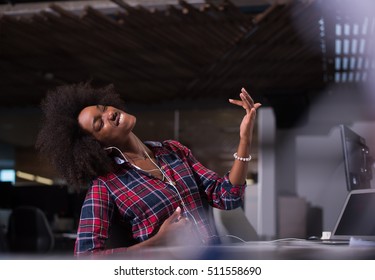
<point x="244" y="147"/>
<point x="245" y="159"/>
<point x="245" y="140"/>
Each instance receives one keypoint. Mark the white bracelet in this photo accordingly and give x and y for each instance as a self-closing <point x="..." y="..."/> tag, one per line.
<point x="241" y="158"/>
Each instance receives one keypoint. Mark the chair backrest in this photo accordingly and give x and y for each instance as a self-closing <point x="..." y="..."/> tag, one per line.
<point x="29" y="231"/>
<point x="120" y="234"/>
<point x="233" y="226"/>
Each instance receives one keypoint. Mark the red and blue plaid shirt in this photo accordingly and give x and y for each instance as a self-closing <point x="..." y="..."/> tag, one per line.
<point x="145" y="202"/>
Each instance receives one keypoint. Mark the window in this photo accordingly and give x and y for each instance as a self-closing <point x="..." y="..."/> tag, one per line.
<point x="7" y="175"/>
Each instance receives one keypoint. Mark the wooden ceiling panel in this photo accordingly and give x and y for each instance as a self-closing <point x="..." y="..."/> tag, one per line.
<point x="181" y="52"/>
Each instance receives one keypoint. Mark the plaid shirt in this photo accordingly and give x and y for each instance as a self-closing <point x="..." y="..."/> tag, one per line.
<point x="146" y="202"/>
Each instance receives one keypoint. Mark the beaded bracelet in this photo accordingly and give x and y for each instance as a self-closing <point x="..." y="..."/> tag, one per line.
<point x="241" y="158"/>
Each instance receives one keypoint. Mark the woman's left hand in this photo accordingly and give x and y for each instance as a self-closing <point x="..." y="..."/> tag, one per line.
<point x="247" y="124"/>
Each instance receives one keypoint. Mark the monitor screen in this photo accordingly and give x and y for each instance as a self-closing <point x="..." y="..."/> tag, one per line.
<point x="357" y="159"/>
<point x="357" y="216"/>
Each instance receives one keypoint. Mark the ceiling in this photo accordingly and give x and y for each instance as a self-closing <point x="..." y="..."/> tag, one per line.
<point x="184" y="55"/>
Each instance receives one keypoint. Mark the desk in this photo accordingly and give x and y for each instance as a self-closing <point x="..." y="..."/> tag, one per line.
<point x="286" y="250"/>
<point x="293" y="250"/>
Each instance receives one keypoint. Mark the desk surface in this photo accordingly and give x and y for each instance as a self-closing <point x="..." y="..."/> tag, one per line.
<point x="264" y="250"/>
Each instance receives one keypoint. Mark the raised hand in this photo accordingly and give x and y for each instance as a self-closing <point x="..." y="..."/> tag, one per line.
<point x="247" y="124"/>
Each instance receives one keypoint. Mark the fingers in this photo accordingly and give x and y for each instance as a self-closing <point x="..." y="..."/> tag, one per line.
<point x="245" y="96"/>
<point x="246" y="101"/>
<point x="236" y="102"/>
<point x="175" y="216"/>
<point x="173" y="228"/>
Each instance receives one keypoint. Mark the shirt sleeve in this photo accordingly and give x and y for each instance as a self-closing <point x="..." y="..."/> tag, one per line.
<point x="93" y="228"/>
<point x="218" y="189"/>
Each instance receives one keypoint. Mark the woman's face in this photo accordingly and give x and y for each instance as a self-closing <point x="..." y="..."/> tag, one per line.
<point x="109" y="125"/>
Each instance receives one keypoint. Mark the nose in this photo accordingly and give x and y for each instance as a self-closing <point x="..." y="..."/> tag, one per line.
<point x="110" y="115"/>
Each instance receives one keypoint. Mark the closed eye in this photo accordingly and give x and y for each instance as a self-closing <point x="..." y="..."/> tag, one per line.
<point x="98" y="122"/>
<point x="103" y="109"/>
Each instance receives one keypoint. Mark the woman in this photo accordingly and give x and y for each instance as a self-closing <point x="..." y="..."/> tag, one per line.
<point x="158" y="188"/>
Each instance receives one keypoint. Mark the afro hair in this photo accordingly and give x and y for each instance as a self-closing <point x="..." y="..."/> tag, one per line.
<point x="77" y="157"/>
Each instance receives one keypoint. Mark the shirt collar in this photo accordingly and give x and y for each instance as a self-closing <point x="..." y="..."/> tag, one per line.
<point x="152" y="144"/>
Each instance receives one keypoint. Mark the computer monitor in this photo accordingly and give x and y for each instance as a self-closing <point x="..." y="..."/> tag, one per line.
<point x="357" y="160"/>
<point x="356" y="217"/>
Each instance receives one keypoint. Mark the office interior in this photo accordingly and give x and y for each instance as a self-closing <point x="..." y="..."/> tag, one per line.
<point x="310" y="63"/>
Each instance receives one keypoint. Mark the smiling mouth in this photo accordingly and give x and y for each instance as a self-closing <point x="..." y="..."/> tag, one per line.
<point x="118" y="118"/>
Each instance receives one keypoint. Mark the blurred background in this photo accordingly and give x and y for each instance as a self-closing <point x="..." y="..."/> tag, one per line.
<point x="309" y="62"/>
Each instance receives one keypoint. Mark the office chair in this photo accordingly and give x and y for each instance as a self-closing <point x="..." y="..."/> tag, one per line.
<point x="3" y="241"/>
<point x="119" y="234"/>
<point x="29" y="231"/>
<point x="233" y="226"/>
